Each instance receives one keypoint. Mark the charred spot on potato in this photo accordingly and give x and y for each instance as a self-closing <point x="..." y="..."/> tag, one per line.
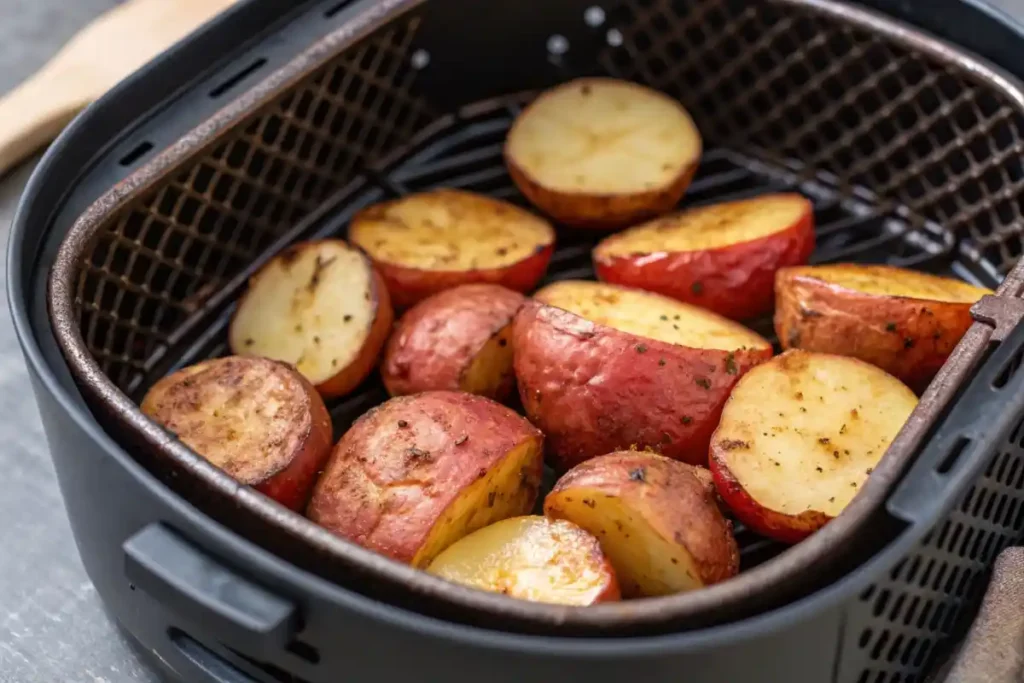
<point x="334" y="362"/>
<point x="697" y="288"/>
<point x="819" y="469"/>
<point x="298" y="328"/>
<point x="908" y="342"/>
<point x="824" y="440"/>
<point x="809" y="313"/>
<point x="641" y="348"/>
<point x="249" y="341"/>
<point x="503" y="342"/>
<point x="661" y="362"/>
<point x="589" y="503"/>
<point x="854" y="414"/>
<point x="402" y="424"/>
<point x="703" y="383"/>
<point x="289" y="256"/>
<point x="853" y="484"/>
<point x="793" y="337"/>
<point x="733" y="444"/>
<point x="686" y="419"/>
<point x="664" y="317"/>
<point x="461" y="440"/>
<point x="639" y="474"/>
<point x="585" y="89"/>
<point x="417" y="453"/>
<point x="869" y="470"/>
<point x="316" y="339"/>
<point x="890" y="327"/>
<point x="842" y="430"/>
<point x="490" y="498"/>
<point x="347" y="317"/>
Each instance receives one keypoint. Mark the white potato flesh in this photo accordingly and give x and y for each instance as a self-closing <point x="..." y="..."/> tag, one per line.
<point x="312" y="306"/>
<point x="803" y="431"/>
<point x="604" y="136"/>
<point x="649" y="315"/>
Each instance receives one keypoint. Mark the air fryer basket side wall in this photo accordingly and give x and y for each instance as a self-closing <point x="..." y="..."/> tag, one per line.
<point x="68" y="442"/>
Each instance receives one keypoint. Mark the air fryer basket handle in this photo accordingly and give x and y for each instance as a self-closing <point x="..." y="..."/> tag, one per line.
<point x="194" y="586"/>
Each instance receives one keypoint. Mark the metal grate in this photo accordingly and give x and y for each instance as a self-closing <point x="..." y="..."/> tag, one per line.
<point x="164" y="255"/>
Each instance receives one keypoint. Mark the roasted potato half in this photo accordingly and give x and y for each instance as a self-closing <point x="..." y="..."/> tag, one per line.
<point x="436" y="240"/>
<point x="418" y="473"/>
<point x="603" y="368"/>
<point x="721" y="257"/>
<point x="800" y="435"/>
<point x="903" y="321"/>
<point x="602" y="153"/>
<point x="257" y="419"/>
<point x="657" y="519"/>
<point x="458" y="339"/>
<point x="319" y="306"/>
<point x="532" y="558"/>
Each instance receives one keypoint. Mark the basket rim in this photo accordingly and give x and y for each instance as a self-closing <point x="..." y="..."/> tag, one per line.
<point x="647" y="612"/>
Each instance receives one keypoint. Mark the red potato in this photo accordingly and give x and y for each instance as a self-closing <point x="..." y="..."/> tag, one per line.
<point x="905" y="322"/>
<point x="458" y="339"/>
<point x="257" y="419"/>
<point x="603" y="368"/>
<point x="721" y="257"/>
<point x="602" y="153"/>
<point x="418" y="473"/>
<point x="532" y="558"/>
<point x="319" y="306"/>
<point x="800" y="435"/>
<point x="657" y="519"/>
<point x="436" y="240"/>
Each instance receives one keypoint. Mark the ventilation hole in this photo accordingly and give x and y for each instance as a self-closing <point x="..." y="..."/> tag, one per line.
<point x="894" y="650"/>
<point x="962" y="552"/>
<point x="334" y="9"/>
<point x="897" y="607"/>
<point x="923" y="583"/>
<point x="923" y="652"/>
<point x="954" y="453"/>
<point x="1008" y="370"/>
<point x="865" y="638"/>
<point x="238" y="77"/>
<point x="272" y="670"/>
<point x="908" y="616"/>
<point x="922" y="619"/>
<point x="137" y="153"/>
<point x="880" y="603"/>
<point x="915" y="564"/>
<point x="880" y="644"/>
<point x="965" y="578"/>
<point x="1012" y="474"/>
<point x="954" y="537"/>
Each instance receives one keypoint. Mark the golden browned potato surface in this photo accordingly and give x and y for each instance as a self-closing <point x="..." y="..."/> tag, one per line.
<point x="319" y="306"/>
<point x="532" y="558"/>
<point x="799" y="437"/>
<point x="256" y="419"/>
<point x="905" y="322"/>
<point x="598" y="152"/>
<point x="419" y="472"/>
<point x="657" y="520"/>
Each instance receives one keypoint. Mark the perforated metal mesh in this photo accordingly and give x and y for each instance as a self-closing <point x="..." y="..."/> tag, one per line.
<point x="909" y="161"/>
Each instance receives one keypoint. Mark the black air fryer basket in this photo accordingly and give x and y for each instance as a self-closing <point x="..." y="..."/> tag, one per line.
<point x="279" y="120"/>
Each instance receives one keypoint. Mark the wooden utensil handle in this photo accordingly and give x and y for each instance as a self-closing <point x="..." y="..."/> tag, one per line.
<point x="34" y="113"/>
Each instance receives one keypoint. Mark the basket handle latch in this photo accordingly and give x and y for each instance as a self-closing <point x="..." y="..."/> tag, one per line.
<point x="194" y="586"/>
<point x="1003" y="313"/>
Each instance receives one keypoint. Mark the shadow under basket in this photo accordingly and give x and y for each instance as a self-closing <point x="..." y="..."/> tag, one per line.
<point x="909" y="148"/>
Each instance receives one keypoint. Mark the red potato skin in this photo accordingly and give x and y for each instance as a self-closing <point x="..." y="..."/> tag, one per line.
<point x="593" y="389"/>
<point x="908" y="338"/>
<point x="600" y="212"/>
<point x="736" y="281"/>
<point x="435" y="341"/>
<point x="769" y="523"/>
<point x="409" y="286"/>
<point x="387" y="499"/>
<point x="348" y="379"/>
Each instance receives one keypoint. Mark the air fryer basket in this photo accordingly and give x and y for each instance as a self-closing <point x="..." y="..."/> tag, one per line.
<point x="909" y="148"/>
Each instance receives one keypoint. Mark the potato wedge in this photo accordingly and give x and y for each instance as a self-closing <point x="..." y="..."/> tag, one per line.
<point x="657" y="519"/>
<point x="257" y="419"/>
<point x="603" y="368"/>
<point x="436" y="240"/>
<point x="531" y="558"/>
<point x="458" y="339"/>
<point x="602" y="153"/>
<point x="319" y="306"/>
<point x="905" y="322"/>
<point x="418" y="473"/>
<point x="721" y="257"/>
<point x="800" y="435"/>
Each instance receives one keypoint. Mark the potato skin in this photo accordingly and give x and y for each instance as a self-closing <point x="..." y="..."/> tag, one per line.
<point x="765" y="521"/>
<point x="402" y="464"/>
<point x="677" y="500"/>
<point x="434" y="343"/>
<point x="289" y="452"/>
<point x="908" y="338"/>
<point x="593" y="389"/>
<point x="736" y="281"/>
<point x="600" y="211"/>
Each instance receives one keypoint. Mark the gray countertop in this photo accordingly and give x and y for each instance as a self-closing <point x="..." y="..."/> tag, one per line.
<point x="52" y="625"/>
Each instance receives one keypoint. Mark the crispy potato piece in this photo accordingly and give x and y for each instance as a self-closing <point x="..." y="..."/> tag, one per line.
<point x="601" y="153"/>
<point x="721" y="257"/>
<point x="418" y="473"/>
<point x="657" y="519"/>
<point x="800" y="435"/>
<point x="602" y="368"/>
<point x="532" y="558"/>
<point x="458" y="339"/>
<point x="436" y="240"/>
<point x="257" y="419"/>
<point x="319" y="306"/>
<point x="905" y="322"/>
